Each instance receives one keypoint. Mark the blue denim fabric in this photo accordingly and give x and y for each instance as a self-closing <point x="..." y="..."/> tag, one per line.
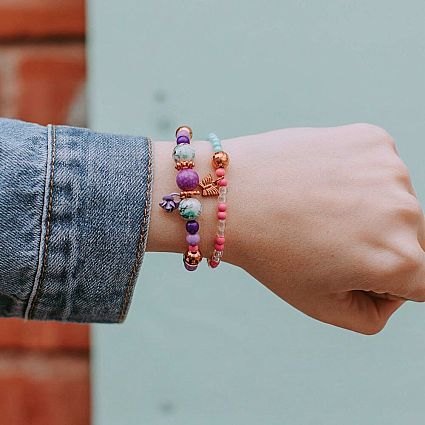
<point x="74" y="218"/>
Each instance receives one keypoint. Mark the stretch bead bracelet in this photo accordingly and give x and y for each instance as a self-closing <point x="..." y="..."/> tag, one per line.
<point x="220" y="161"/>
<point x="190" y="208"/>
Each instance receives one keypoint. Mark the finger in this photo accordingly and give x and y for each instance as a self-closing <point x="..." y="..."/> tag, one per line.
<point x="421" y="225"/>
<point x="417" y="284"/>
<point x="363" y="313"/>
<point x="421" y="232"/>
<point x="385" y="296"/>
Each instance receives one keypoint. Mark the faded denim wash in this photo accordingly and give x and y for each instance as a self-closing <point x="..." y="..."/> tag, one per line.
<point x="74" y="218"/>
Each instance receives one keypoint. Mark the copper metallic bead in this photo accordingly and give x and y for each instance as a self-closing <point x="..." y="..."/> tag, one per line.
<point x="187" y="128"/>
<point x="192" y="258"/>
<point x="220" y="160"/>
<point x="189" y="193"/>
<point x="184" y="164"/>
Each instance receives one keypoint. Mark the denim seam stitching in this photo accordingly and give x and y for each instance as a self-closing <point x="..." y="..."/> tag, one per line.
<point x="141" y="244"/>
<point x="42" y="227"/>
<point x="35" y="294"/>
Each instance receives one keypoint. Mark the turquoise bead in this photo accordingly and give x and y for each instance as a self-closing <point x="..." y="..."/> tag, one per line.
<point x="183" y="152"/>
<point x="190" y="208"/>
<point x="215" y="141"/>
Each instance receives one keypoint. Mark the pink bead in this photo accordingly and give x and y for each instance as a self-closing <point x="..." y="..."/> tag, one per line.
<point x="222" y="207"/>
<point x="213" y="264"/>
<point x="221" y="215"/>
<point x="193" y="248"/>
<point x="219" y="240"/>
<point x="220" y="172"/>
<point x="219" y="247"/>
<point x="222" y="182"/>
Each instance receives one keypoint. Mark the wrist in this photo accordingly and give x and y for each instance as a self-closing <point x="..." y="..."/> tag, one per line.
<point x="167" y="231"/>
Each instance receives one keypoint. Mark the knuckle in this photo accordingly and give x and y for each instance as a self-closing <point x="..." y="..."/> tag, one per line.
<point x="405" y="261"/>
<point x="373" y="128"/>
<point x="367" y="126"/>
<point x="401" y="172"/>
<point x="394" y="264"/>
<point x="377" y="133"/>
<point x="409" y="209"/>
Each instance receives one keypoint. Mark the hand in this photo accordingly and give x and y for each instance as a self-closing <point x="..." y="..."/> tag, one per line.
<point x="328" y="220"/>
<point x="325" y="218"/>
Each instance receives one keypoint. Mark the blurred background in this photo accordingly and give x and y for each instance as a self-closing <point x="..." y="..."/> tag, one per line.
<point x="218" y="348"/>
<point x="44" y="367"/>
<point x="197" y="349"/>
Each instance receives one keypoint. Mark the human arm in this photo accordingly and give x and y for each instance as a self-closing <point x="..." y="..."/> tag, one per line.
<point x="326" y="218"/>
<point x="74" y="212"/>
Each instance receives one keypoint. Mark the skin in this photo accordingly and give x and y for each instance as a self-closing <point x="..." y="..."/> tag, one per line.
<point x="326" y="218"/>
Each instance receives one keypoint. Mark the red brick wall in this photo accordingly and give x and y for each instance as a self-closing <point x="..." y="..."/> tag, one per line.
<point x="44" y="367"/>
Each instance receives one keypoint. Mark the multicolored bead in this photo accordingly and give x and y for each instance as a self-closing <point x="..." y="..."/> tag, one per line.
<point x="190" y="208"/>
<point x="183" y="152"/>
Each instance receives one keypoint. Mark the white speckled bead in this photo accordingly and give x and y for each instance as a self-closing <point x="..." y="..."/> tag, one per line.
<point x="190" y="208"/>
<point x="183" y="152"/>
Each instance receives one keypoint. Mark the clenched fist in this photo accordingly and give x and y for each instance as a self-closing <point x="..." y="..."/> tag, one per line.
<point x="329" y="221"/>
<point x="326" y="218"/>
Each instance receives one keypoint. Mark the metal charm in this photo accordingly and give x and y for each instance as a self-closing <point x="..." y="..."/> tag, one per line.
<point x="170" y="202"/>
<point x="209" y="186"/>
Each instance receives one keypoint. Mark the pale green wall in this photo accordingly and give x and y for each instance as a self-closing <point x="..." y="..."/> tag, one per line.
<point x="205" y="352"/>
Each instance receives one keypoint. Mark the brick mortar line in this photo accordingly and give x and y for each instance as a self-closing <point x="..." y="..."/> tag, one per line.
<point x="40" y="40"/>
<point x="46" y="352"/>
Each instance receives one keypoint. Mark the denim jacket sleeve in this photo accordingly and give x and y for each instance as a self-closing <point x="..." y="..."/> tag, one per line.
<point x="74" y="219"/>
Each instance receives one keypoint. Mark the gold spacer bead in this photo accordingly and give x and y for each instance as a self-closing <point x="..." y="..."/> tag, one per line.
<point x="184" y="164"/>
<point x="220" y="160"/>
<point x="187" y="128"/>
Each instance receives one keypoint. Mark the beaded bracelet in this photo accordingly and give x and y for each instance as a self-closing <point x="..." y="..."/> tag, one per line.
<point x="189" y="208"/>
<point x="220" y="161"/>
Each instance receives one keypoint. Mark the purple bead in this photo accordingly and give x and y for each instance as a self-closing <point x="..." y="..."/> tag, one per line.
<point x="187" y="179"/>
<point x="193" y="240"/>
<point x="192" y="227"/>
<point x="183" y="139"/>
<point x="189" y="267"/>
<point x="183" y="132"/>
